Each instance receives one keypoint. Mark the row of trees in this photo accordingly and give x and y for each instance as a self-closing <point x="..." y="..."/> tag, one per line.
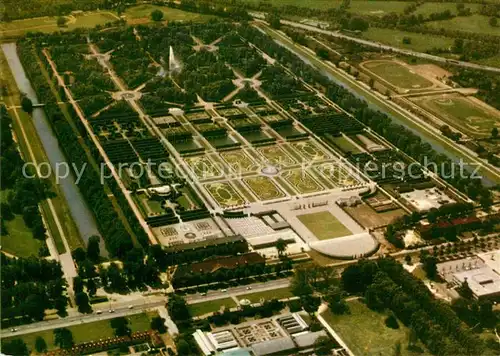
<point x="117" y="239"/>
<point x="24" y="194"/>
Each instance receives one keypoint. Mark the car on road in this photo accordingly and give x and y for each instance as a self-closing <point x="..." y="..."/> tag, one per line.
<point x="130" y="306"/>
<point x="98" y="311"/>
<point x="223" y="290"/>
<point x="248" y="288"/>
<point x="111" y="310"/>
<point x="204" y="293"/>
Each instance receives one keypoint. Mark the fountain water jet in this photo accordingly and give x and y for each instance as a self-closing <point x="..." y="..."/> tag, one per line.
<point x="174" y="66"/>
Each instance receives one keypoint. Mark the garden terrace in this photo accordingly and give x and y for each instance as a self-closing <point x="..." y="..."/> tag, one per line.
<point x="245" y="124"/>
<point x="279" y="84"/>
<point x="197" y="214"/>
<point x="244" y="59"/>
<point x="120" y="151"/>
<point x="231" y="113"/>
<point x="165" y="121"/>
<point x="177" y="133"/>
<point x="150" y="149"/>
<point x="198" y="116"/>
<point x="332" y="124"/>
<point x="211" y="129"/>
<point x="277" y="120"/>
<point x="262" y="110"/>
<point x="307" y="105"/>
<point x="166" y="219"/>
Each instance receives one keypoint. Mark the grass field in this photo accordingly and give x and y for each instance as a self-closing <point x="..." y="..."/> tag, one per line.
<point x="302" y="181"/>
<point x="210" y="306"/>
<point x="461" y="113"/>
<point x="90" y="332"/>
<point x="49" y="24"/>
<point x="142" y="13"/>
<point x="280" y="293"/>
<point x="419" y="42"/>
<point x="397" y="75"/>
<point x="377" y="7"/>
<point x="324" y="225"/>
<point x="364" y="331"/>
<point x="225" y="194"/>
<point x="428" y="8"/>
<point x="475" y="23"/>
<point x="264" y="188"/>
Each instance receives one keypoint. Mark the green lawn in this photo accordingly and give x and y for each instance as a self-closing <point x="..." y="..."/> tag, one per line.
<point x="377" y="7"/>
<point x="211" y="306"/>
<point x="49" y="24"/>
<point x="364" y="331"/>
<point x="398" y="75"/>
<point x="475" y="23"/>
<point x="324" y="225"/>
<point x="419" y="42"/>
<point x="142" y="13"/>
<point x="19" y="240"/>
<point x="91" y="331"/>
<point x="345" y="145"/>
<point x="280" y="293"/>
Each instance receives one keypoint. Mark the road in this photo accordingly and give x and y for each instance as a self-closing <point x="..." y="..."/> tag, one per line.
<point x="402" y="116"/>
<point x="381" y="46"/>
<point x="142" y="303"/>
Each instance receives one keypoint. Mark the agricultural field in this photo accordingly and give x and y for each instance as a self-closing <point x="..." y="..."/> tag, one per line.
<point x="419" y="42"/>
<point x="398" y="75"/>
<point x="89" y="332"/>
<point x="301" y="181"/>
<point x="49" y="24"/>
<point x="475" y="23"/>
<point x="364" y="331"/>
<point x="428" y="8"/>
<point x="225" y="194"/>
<point x="264" y="188"/>
<point x="324" y="225"/>
<point x="462" y="113"/>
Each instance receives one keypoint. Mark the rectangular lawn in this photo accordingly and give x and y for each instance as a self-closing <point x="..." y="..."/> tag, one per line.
<point x="280" y="293"/>
<point x="324" y="225"/>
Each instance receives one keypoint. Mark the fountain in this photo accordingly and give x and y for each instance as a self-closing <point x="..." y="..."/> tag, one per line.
<point x="174" y="66"/>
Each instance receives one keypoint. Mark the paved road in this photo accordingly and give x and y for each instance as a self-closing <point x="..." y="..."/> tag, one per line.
<point x="381" y="46"/>
<point x="139" y="305"/>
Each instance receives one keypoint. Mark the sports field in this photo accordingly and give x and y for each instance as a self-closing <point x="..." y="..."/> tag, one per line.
<point x="302" y="181"/>
<point x="277" y="156"/>
<point x="239" y="161"/>
<point x="49" y="24"/>
<point x="475" y="23"/>
<point x="324" y="225"/>
<point x="364" y="331"/>
<point x="397" y="75"/>
<point x="462" y="113"/>
<point x="264" y="188"/>
<point x="419" y="42"/>
<point x="202" y="167"/>
<point x="225" y="194"/>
